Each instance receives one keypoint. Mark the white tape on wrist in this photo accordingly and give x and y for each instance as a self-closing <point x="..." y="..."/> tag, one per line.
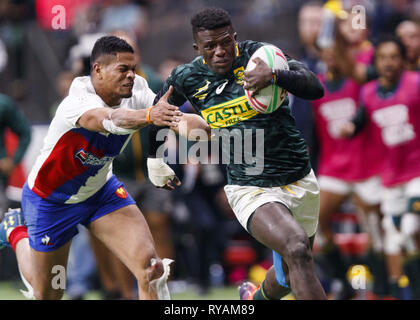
<point x="109" y="126"/>
<point x="159" y="171"/>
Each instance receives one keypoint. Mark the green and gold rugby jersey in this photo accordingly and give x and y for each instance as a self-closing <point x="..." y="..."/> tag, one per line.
<point x="272" y="140"/>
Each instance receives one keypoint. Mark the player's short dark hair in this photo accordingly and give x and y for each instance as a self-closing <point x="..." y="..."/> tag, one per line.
<point x="385" y="38"/>
<point x="210" y="19"/>
<point x="109" y="45"/>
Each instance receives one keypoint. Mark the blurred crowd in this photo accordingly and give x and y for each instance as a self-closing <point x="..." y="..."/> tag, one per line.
<point x="42" y="49"/>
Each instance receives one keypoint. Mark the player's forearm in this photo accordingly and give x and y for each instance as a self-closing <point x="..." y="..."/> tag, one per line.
<point x="129" y="119"/>
<point x="193" y="127"/>
<point x="300" y="82"/>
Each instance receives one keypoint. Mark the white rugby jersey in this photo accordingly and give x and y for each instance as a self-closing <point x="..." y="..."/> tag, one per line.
<point x="74" y="162"/>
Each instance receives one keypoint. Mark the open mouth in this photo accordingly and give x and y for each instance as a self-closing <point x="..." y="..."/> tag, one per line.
<point x="128" y="85"/>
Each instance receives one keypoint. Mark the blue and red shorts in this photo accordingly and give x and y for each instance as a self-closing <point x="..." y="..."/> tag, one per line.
<point x="51" y="225"/>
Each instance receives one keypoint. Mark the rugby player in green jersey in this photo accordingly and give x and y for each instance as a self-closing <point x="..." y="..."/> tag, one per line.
<point x="275" y="198"/>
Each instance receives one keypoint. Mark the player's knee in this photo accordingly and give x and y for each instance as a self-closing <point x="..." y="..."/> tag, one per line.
<point x="155" y="269"/>
<point x="151" y="268"/>
<point x="48" y="294"/>
<point x="298" y="252"/>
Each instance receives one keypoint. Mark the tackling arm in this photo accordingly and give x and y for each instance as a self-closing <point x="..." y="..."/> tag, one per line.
<point x="160" y="174"/>
<point x="125" y="121"/>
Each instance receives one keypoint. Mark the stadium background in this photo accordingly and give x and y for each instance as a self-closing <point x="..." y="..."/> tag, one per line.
<point x="38" y="55"/>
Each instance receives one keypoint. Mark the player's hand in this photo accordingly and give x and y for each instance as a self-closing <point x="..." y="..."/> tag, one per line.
<point x="170" y="184"/>
<point x="162" y="175"/>
<point x="165" y="114"/>
<point x="257" y="78"/>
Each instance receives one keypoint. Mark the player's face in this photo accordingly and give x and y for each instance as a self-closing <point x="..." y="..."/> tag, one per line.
<point x="217" y="47"/>
<point x="118" y="74"/>
<point x="389" y="61"/>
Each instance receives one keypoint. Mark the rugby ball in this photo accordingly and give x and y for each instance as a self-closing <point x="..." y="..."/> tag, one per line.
<point x="271" y="97"/>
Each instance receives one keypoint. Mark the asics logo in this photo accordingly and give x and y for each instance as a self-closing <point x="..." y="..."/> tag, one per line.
<point x="220" y="88"/>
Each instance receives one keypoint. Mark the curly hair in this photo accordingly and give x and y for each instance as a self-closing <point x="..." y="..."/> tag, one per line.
<point x="210" y="19"/>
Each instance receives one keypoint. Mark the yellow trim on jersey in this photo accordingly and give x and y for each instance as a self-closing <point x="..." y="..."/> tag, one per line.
<point x="290" y="190"/>
<point x="238" y="73"/>
<point x="228" y="113"/>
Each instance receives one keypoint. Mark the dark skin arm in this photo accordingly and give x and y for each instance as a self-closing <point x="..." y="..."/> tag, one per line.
<point x="298" y="80"/>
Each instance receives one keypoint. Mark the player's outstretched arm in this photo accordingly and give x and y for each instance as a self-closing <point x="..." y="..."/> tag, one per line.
<point x="193" y="127"/>
<point x="160" y="174"/>
<point x="124" y="121"/>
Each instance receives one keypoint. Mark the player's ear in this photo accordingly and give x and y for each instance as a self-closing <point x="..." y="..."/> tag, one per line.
<point x="97" y="70"/>
<point x="235" y="35"/>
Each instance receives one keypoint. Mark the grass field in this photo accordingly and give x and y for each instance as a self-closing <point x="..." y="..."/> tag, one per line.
<point x="10" y="291"/>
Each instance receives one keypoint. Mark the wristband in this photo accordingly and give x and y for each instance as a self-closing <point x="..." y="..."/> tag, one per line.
<point x="148" y="115"/>
<point x="273" y="76"/>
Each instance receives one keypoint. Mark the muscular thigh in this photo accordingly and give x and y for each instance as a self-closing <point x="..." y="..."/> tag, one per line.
<point x="50" y="272"/>
<point x="273" y="225"/>
<point x="126" y="234"/>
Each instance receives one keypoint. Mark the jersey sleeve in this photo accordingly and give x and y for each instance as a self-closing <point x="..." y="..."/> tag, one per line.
<point x="143" y="95"/>
<point x="81" y="98"/>
<point x="300" y="81"/>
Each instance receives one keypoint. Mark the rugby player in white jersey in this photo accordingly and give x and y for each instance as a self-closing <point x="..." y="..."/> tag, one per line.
<point x="72" y="183"/>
